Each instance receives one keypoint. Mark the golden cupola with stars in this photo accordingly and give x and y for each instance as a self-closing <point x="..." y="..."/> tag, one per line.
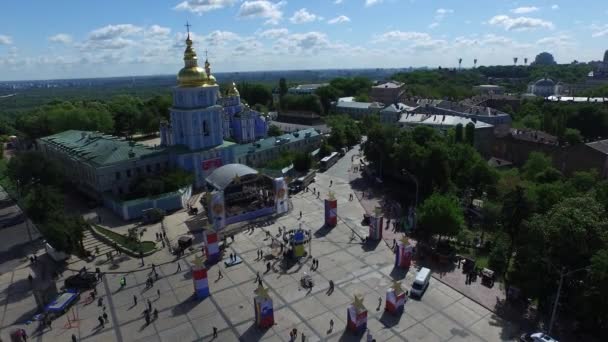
<point x="192" y="75"/>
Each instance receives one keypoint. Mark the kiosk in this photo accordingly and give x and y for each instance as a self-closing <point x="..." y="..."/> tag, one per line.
<point x="395" y="299"/>
<point x="212" y="248"/>
<point x="331" y="210"/>
<point x="199" y="277"/>
<point x="357" y="316"/>
<point x="375" y="225"/>
<point x="264" y="314"/>
<point x="403" y="253"/>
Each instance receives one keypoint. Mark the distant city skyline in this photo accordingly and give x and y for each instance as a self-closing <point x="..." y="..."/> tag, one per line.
<point x="78" y="39"/>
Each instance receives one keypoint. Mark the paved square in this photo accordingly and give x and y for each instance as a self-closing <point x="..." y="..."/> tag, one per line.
<point x="442" y="314"/>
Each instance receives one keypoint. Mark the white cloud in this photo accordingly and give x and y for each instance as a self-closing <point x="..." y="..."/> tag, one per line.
<point x="599" y="31"/>
<point x="262" y="9"/>
<point x="337" y="2"/>
<point x="524" y="9"/>
<point x="5" y="40"/>
<point x="274" y="33"/>
<point x="555" y="7"/>
<point x="441" y="13"/>
<point x="433" y="25"/>
<point x="217" y="38"/>
<point x="339" y="19"/>
<point x="372" y="2"/>
<point x="402" y="36"/>
<point x="302" y="16"/>
<point x="156" y="30"/>
<point x="202" y="6"/>
<point x="560" y="41"/>
<point x="62" y="38"/>
<point x="519" y="23"/>
<point x="113" y="31"/>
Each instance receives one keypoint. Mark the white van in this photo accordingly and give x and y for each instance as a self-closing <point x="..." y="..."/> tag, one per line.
<point x="421" y="282"/>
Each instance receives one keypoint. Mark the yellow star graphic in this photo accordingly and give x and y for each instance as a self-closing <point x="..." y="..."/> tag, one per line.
<point x="262" y="292"/>
<point x="397" y="288"/>
<point x="405" y="241"/>
<point x="378" y="211"/>
<point x="198" y="261"/>
<point x="358" y="303"/>
<point x="331" y="196"/>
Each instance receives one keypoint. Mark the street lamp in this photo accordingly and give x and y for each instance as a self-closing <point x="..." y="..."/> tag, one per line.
<point x="562" y="275"/>
<point x="413" y="178"/>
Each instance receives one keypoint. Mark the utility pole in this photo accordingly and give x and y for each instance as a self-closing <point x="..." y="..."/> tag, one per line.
<point x="559" y="290"/>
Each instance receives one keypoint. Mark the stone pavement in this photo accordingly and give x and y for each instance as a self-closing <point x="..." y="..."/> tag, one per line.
<point x="441" y="315"/>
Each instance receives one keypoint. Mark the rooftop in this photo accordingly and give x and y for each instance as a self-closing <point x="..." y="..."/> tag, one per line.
<point x="221" y="177"/>
<point x="440" y="120"/>
<point x="534" y="136"/>
<point x="99" y="149"/>
<point x="577" y="99"/>
<point x="391" y="85"/>
<point x="360" y="105"/>
<point x="268" y="143"/>
<point x="600" y="145"/>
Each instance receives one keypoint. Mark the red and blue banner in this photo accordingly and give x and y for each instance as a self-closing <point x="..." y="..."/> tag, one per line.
<point x="395" y="301"/>
<point x="403" y="254"/>
<point x="212" y="248"/>
<point x="357" y="319"/>
<point x="201" y="285"/>
<point x="331" y="212"/>
<point x="264" y="312"/>
<point x="375" y="227"/>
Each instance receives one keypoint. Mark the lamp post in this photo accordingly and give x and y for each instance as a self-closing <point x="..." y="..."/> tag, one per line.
<point x="415" y="180"/>
<point x="562" y="275"/>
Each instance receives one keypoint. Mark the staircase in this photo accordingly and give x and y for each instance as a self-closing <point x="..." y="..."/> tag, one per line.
<point x="90" y="242"/>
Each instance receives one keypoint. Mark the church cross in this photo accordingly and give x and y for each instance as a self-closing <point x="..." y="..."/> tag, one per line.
<point x="188" y="27"/>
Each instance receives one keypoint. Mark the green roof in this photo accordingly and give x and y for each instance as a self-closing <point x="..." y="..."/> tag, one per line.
<point x="182" y="149"/>
<point x="99" y="149"/>
<point x="273" y="142"/>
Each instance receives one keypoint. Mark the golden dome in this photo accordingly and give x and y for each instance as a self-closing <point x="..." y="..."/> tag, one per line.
<point x="191" y="75"/>
<point x="233" y="91"/>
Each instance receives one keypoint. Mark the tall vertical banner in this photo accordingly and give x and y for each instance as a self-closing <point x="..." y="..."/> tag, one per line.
<point x="199" y="277"/>
<point x="395" y="299"/>
<point x="212" y="248"/>
<point x="299" y="239"/>
<point x="375" y="227"/>
<point x="331" y="211"/>
<point x="281" y="201"/>
<point x="264" y="312"/>
<point x="218" y="210"/>
<point x="357" y="316"/>
<point x="404" y="253"/>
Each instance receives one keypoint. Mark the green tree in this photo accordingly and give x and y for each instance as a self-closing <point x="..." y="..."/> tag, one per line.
<point x="469" y="133"/>
<point x="42" y="202"/>
<point x="274" y="131"/>
<point x="458" y="136"/>
<point x="499" y="255"/>
<point x="327" y="95"/>
<point x="573" y="136"/>
<point x="594" y="305"/>
<point x="302" y="161"/>
<point x="516" y="209"/>
<point x="27" y="168"/>
<point x="282" y="87"/>
<point x="440" y="215"/>
<point x="537" y="163"/>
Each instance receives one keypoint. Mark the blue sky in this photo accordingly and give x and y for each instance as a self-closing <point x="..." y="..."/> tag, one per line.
<point x="73" y="38"/>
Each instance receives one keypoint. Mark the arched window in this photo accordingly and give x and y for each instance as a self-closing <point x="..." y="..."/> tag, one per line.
<point x="205" y="128"/>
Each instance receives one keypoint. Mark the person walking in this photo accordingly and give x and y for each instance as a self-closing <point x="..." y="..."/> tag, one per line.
<point x="257" y="277"/>
<point x="219" y="274"/>
<point x="300" y="213"/>
<point x="331" y="325"/>
<point x="179" y="267"/>
<point x="149" y="305"/>
<point x="105" y="317"/>
<point x="134" y="300"/>
<point x="74" y="339"/>
<point x="214" y="332"/>
<point x="158" y="293"/>
<point x="101" y="321"/>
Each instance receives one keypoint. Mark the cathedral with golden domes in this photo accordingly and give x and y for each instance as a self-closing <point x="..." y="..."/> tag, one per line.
<point x="205" y="123"/>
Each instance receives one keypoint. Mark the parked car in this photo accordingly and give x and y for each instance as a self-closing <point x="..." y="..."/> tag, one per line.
<point x="421" y="282"/>
<point x="536" y="337"/>
<point x="82" y="280"/>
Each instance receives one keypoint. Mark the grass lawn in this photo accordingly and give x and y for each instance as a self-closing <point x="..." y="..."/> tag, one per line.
<point x="122" y="240"/>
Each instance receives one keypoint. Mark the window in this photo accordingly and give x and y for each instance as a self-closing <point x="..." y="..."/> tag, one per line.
<point x="128" y="173"/>
<point x="148" y="168"/>
<point x="118" y="175"/>
<point x="138" y="170"/>
<point x="157" y="166"/>
<point x="205" y="128"/>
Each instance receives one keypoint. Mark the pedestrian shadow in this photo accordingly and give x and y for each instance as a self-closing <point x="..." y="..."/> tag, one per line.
<point x="370" y="245"/>
<point x="323" y="231"/>
<point x="348" y="336"/>
<point x="186" y="306"/>
<point x="390" y="320"/>
<point x="399" y="273"/>
<point x="253" y="333"/>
